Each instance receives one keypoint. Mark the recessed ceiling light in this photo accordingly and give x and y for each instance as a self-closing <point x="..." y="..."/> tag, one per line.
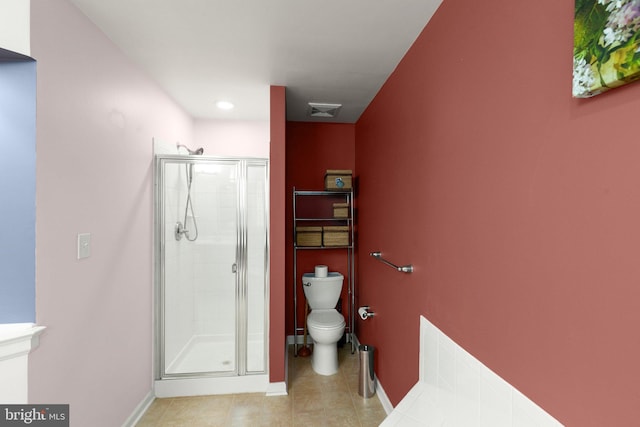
<point x="224" y="105"/>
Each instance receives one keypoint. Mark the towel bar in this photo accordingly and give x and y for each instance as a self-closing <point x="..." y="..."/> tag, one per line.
<point x="403" y="268"/>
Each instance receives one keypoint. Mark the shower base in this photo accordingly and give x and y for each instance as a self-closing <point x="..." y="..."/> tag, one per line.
<point x="178" y="387"/>
<point x="214" y="358"/>
<point x="213" y="354"/>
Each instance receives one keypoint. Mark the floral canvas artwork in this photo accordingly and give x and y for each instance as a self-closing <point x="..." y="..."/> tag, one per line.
<point x="606" y="48"/>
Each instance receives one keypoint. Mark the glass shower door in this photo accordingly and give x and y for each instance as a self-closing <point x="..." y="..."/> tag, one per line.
<point x="199" y="289"/>
<point x="256" y="265"/>
<point x="212" y="263"/>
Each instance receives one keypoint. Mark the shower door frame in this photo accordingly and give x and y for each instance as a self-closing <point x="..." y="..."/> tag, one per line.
<point x="241" y="301"/>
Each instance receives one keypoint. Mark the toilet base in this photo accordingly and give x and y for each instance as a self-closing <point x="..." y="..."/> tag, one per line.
<point x="324" y="359"/>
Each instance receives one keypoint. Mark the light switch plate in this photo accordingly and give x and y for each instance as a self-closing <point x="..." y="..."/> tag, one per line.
<point x="84" y="245"/>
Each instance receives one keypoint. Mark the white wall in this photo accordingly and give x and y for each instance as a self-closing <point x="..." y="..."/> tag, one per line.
<point x="233" y="138"/>
<point x="14" y="26"/>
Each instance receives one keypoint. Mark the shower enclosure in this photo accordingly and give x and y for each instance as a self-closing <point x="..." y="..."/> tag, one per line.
<point x="211" y="276"/>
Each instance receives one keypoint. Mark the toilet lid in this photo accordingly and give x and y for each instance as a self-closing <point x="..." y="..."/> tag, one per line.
<point x="327" y="319"/>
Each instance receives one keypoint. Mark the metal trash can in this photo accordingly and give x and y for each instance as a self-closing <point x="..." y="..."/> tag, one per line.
<point x="366" y="379"/>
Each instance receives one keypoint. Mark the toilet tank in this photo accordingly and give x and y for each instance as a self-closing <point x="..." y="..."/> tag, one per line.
<point x="322" y="292"/>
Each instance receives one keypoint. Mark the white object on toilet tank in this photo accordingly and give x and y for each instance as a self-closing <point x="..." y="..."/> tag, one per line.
<point x="322" y="271"/>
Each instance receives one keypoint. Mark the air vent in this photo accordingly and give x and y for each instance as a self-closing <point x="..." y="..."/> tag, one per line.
<point x="323" y="110"/>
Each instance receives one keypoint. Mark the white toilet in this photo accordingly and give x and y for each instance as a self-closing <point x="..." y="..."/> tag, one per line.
<point x="324" y="323"/>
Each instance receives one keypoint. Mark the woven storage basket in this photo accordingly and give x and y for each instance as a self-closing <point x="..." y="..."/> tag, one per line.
<point x="338" y="180"/>
<point x="309" y="236"/>
<point x="341" y="210"/>
<point x="335" y="235"/>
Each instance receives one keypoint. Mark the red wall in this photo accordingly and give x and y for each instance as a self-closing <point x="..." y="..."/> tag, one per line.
<point x="312" y="148"/>
<point x="518" y="206"/>
<point x="277" y="200"/>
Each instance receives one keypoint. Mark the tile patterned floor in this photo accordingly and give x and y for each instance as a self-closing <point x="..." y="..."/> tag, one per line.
<point x="313" y="400"/>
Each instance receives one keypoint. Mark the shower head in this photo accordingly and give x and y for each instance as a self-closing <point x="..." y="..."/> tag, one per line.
<point x="197" y="152"/>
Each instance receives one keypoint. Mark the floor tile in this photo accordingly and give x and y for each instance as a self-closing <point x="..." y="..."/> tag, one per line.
<point x="313" y="400"/>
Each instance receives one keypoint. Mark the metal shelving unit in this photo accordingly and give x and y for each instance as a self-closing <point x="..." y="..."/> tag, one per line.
<point x="344" y="197"/>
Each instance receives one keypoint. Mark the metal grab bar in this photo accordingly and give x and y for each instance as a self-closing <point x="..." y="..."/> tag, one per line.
<point x="402" y="268"/>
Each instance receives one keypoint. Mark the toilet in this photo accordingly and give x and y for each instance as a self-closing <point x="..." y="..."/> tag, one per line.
<point x="324" y="323"/>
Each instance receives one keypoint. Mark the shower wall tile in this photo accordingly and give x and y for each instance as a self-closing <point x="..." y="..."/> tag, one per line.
<point x="179" y="317"/>
<point x="216" y="253"/>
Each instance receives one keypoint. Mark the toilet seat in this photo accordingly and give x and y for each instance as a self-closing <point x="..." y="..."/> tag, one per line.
<point x="325" y="319"/>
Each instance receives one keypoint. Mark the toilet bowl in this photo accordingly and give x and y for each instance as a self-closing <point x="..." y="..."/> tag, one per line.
<point x="325" y="324"/>
<point x="326" y="328"/>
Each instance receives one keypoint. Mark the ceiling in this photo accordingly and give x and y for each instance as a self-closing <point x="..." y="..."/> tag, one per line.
<point x="324" y="51"/>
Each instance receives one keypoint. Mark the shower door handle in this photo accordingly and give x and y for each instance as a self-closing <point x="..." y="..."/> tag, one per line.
<point x="234" y="268"/>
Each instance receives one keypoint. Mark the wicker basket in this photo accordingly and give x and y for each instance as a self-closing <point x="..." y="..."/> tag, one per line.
<point x="335" y="235"/>
<point x="341" y="210"/>
<point x="309" y="236"/>
<point x="338" y="180"/>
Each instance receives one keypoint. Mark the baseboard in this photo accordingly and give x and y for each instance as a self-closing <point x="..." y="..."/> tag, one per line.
<point x="286" y="363"/>
<point x="382" y="397"/>
<point x="139" y="411"/>
<point x="277" y="389"/>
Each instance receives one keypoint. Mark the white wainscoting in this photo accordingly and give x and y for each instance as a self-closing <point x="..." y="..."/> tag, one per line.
<point x="17" y="340"/>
